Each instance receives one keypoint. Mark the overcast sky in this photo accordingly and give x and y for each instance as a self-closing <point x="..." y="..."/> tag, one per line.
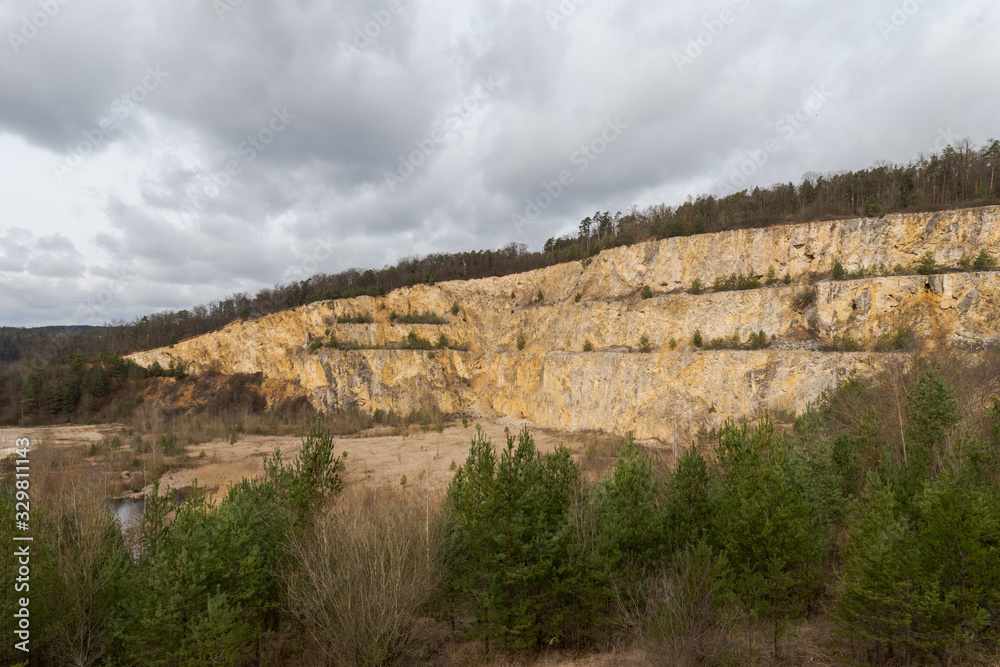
<point x="160" y="154"/>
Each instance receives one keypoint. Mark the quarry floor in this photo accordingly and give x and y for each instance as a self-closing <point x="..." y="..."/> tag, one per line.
<point x="425" y="460"/>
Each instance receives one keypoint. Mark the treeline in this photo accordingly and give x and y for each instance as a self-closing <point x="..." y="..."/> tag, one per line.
<point x="877" y="512"/>
<point x="956" y="177"/>
<point x="81" y="389"/>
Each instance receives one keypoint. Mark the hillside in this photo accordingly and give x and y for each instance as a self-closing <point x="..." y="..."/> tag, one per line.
<point x="668" y="392"/>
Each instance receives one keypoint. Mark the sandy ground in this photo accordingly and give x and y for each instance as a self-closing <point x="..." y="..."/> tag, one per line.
<point x="425" y="459"/>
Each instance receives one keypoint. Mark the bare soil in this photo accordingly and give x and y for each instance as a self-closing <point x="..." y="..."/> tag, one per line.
<point x="422" y="461"/>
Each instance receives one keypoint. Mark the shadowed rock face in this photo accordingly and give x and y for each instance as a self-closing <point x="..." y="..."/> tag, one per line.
<point x="667" y="392"/>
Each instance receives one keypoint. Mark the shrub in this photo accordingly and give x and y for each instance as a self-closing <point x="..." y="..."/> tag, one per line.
<point x="539" y="297"/>
<point x="454" y="308"/>
<point x="804" y="299"/>
<point x="359" y="318"/>
<point x="673" y="343"/>
<point x="168" y="444"/>
<point x="588" y="346"/>
<point x="696" y="339"/>
<point x="845" y="342"/>
<point x="927" y="265"/>
<point x="772" y="275"/>
<point x="442" y="341"/>
<point x="787" y="279"/>
<point x="644" y="345"/>
<point x="577" y="297"/>
<point x="757" y="341"/>
<point x="315" y="345"/>
<point x="696" y="286"/>
<point x="984" y="261"/>
<point x="735" y="281"/>
<point x="521" y="341"/>
<point x="415" y="342"/>
<point x="368" y="577"/>
<point x="426" y="317"/>
<point x="901" y="339"/>
<point x="838" y="270"/>
<point x="647" y="292"/>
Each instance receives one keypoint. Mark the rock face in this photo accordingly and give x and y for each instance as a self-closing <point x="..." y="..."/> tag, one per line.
<point x="668" y="391"/>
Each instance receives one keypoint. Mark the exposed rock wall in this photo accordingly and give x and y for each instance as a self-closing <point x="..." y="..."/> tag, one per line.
<point x="665" y="393"/>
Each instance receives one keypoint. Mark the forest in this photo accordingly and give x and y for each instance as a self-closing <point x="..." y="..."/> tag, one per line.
<point x="956" y="177"/>
<point x="864" y="531"/>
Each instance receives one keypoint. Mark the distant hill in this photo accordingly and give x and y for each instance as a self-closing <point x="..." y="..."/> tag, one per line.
<point x="17" y="343"/>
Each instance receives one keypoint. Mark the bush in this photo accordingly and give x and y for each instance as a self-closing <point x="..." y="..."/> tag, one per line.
<point x="927" y="265"/>
<point x="644" y="345"/>
<point x="696" y="339"/>
<point x="735" y="281"/>
<point x="426" y="317"/>
<point x="845" y="342"/>
<point x="539" y="297"/>
<point x="315" y="345"/>
<point x="901" y="339"/>
<point x="577" y="297"/>
<point x="804" y="299"/>
<point x="454" y="308"/>
<point x="647" y="292"/>
<point x="359" y="318"/>
<point x="588" y="346"/>
<point x="365" y="578"/>
<point x="692" y="614"/>
<point x="838" y="270"/>
<point x="984" y="261"/>
<point x="521" y="341"/>
<point x="696" y="286"/>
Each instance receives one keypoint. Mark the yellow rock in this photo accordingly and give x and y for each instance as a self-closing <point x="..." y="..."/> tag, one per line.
<point x="667" y="393"/>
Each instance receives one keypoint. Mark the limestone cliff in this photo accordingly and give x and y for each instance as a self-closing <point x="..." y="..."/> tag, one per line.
<point x="668" y="391"/>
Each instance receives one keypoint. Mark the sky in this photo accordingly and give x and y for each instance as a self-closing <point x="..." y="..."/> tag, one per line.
<point x="158" y="154"/>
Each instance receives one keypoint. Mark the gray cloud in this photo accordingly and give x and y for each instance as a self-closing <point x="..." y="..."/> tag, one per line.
<point x="193" y="193"/>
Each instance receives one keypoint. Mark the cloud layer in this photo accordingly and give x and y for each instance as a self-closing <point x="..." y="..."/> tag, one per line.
<point x="162" y="154"/>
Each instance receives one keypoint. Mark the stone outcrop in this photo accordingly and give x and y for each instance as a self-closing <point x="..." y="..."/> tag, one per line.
<point x="674" y="388"/>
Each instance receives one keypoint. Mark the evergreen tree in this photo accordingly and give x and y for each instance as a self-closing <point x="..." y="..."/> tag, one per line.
<point x="773" y="536"/>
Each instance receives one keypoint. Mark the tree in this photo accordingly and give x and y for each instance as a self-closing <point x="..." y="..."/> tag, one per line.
<point x="512" y="563"/>
<point x="630" y="539"/>
<point x="773" y="536"/>
<point x="690" y="503"/>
